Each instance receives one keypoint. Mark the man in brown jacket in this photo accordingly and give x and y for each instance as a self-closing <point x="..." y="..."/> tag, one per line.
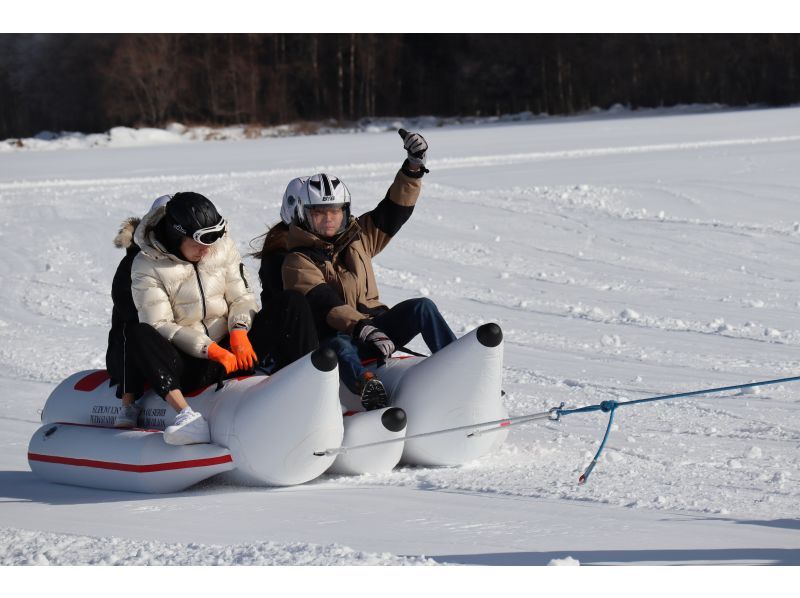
<point x="331" y="264"/>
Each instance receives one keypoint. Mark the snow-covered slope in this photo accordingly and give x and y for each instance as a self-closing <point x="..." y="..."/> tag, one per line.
<point x="623" y="257"/>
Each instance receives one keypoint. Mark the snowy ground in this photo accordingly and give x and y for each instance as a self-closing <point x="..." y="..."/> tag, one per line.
<point x="623" y="257"/>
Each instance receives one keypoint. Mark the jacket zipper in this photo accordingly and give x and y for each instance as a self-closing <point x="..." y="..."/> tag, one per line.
<point x="202" y="298"/>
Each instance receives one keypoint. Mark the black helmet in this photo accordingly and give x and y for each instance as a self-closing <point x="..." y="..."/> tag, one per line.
<point x="190" y="214"/>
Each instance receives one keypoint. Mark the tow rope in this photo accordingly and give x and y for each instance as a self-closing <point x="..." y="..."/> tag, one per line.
<point x="555" y="414"/>
<point x="611" y="406"/>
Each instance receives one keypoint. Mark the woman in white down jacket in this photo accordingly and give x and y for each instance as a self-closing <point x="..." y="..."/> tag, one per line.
<point x="190" y="287"/>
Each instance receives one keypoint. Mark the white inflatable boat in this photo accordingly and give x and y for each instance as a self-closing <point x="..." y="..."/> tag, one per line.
<point x="270" y="430"/>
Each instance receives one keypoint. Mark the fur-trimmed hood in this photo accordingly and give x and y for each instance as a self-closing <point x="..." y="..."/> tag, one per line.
<point x="127" y="230"/>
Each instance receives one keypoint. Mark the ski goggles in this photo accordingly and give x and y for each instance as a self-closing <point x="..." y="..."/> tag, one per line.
<point x="210" y="234"/>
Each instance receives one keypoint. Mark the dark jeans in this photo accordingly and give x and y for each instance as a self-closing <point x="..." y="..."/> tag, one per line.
<point x="401" y="324"/>
<point x="350" y="368"/>
<point x="283" y="331"/>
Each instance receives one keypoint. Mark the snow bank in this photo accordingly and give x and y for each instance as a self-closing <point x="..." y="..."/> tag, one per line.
<point x="178" y="133"/>
<point x="22" y="547"/>
<point x="116" y="137"/>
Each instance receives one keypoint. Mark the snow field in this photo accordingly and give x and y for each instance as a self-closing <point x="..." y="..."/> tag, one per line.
<point x="622" y="258"/>
<point x="20" y="547"/>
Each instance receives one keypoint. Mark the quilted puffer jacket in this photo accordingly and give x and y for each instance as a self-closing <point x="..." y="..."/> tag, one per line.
<point x="191" y="305"/>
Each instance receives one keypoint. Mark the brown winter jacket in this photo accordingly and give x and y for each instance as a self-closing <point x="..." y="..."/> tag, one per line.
<point x="337" y="278"/>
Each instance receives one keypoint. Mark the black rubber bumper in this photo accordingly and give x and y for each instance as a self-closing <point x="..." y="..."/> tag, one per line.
<point x="324" y="359"/>
<point x="490" y="335"/>
<point x="394" y="419"/>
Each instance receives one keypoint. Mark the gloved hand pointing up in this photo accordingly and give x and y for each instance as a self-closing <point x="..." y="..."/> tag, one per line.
<point x="416" y="146"/>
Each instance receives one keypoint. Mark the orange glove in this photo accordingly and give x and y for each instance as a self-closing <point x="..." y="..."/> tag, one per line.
<point x="242" y="349"/>
<point x="220" y="355"/>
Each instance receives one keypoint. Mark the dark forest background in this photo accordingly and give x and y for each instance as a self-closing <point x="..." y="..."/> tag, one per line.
<point x="91" y="82"/>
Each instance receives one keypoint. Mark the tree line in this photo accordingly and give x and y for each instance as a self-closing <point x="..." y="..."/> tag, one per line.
<point x="91" y="82"/>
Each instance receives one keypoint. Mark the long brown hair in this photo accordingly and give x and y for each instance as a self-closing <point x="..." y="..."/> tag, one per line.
<point x="276" y="240"/>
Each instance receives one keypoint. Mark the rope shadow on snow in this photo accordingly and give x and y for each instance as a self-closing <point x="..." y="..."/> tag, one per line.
<point x="689" y="556"/>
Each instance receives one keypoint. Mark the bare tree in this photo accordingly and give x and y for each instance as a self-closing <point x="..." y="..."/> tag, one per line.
<point x="90" y="81"/>
<point x="140" y="79"/>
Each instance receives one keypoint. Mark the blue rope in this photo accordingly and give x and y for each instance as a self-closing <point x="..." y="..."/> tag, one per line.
<point x="587" y="473"/>
<point x="611" y="406"/>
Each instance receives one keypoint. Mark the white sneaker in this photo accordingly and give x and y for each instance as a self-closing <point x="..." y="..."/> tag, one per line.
<point x="127" y="416"/>
<point x="189" y="428"/>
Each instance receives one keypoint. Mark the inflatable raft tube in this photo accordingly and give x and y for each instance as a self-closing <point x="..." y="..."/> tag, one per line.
<point x="131" y="460"/>
<point x="271" y="425"/>
<point x="458" y="386"/>
<point x="366" y="427"/>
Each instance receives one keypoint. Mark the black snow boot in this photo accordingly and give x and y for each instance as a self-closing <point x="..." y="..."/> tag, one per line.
<point x="373" y="395"/>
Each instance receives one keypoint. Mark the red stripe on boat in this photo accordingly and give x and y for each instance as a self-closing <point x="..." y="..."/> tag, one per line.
<point x="374" y="359"/>
<point x="128" y="466"/>
<point x="91" y="381"/>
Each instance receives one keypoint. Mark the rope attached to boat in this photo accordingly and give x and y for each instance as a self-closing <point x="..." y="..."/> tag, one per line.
<point x="555" y="414"/>
<point x="611" y="406"/>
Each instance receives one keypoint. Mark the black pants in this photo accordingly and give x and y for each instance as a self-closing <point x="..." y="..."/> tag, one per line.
<point x="120" y="364"/>
<point x="283" y="330"/>
<point x="165" y="367"/>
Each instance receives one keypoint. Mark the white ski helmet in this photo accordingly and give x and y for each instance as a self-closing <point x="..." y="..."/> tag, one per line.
<point x="291" y="199"/>
<point x="323" y="190"/>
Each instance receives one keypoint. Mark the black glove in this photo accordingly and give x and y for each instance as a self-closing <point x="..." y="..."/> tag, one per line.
<point x="416" y="146"/>
<point x="370" y="336"/>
